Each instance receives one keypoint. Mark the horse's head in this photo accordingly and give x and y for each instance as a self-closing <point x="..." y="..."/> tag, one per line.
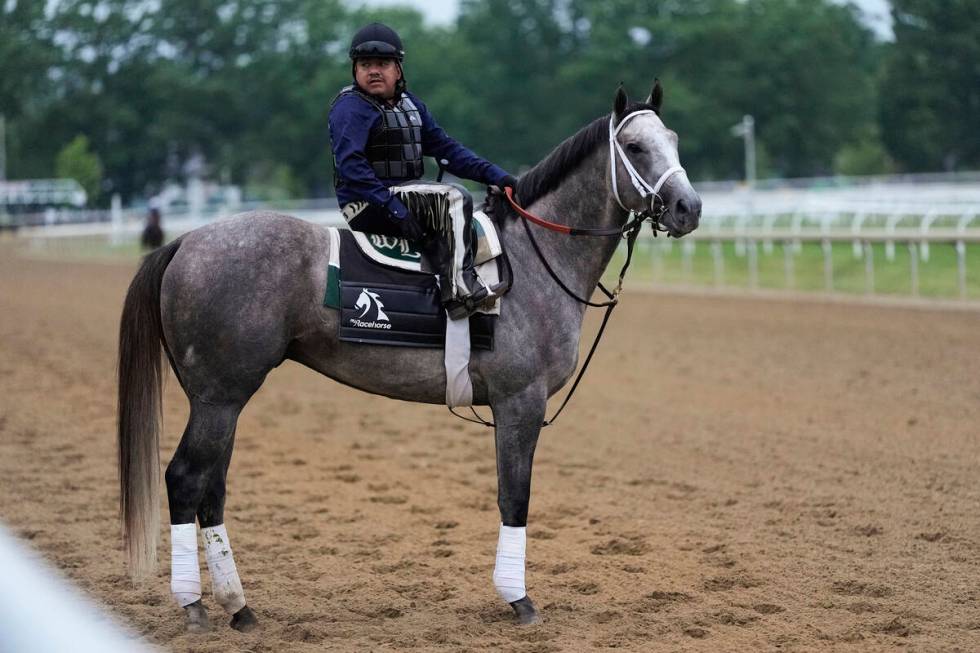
<point x="647" y="176"/>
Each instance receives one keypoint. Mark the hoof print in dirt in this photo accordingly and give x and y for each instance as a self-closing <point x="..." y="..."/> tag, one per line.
<point x="244" y="620"/>
<point x="527" y="614"/>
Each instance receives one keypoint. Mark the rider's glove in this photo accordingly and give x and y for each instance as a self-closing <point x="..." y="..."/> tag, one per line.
<point x="406" y="223"/>
<point x="410" y="227"/>
<point x="509" y="181"/>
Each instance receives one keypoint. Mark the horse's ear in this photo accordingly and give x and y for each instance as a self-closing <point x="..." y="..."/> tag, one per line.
<point x="619" y="104"/>
<point x="656" y="98"/>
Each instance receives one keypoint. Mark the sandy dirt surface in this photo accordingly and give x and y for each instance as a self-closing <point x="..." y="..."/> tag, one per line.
<point x="734" y="475"/>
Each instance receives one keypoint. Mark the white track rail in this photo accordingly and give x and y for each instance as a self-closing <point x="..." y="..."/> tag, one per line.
<point x="42" y="613"/>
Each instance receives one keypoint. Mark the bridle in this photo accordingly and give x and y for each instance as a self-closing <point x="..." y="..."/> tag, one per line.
<point x="644" y="189"/>
<point x="657" y="205"/>
<point x="629" y="231"/>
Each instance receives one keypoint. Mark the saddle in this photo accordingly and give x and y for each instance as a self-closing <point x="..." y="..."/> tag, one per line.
<point x="388" y="292"/>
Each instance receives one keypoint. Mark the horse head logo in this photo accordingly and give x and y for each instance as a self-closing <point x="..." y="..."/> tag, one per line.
<point x="368" y="298"/>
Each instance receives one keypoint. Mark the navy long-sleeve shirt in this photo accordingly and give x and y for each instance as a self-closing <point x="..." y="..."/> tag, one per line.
<point x="351" y="120"/>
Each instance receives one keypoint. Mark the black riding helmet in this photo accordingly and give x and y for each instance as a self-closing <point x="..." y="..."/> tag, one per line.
<point x="377" y="40"/>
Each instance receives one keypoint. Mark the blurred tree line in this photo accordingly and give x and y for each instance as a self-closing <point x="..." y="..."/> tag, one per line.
<point x="132" y="90"/>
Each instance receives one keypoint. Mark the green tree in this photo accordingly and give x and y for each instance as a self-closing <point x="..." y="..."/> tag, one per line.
<point x="804" y="69"/>
<point x="25" y="51"/>
<point x="930" y="92"/>
<point x="76" y="161"/>
<point x="247" y="84"/>
<point x="865" y="156"/>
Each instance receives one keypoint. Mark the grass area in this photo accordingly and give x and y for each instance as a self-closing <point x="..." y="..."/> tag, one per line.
<point x="80" y="248"/>
<point x="673" y="262"/>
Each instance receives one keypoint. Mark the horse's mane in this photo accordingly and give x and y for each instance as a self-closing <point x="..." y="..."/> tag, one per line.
<point x="562" y="161"/>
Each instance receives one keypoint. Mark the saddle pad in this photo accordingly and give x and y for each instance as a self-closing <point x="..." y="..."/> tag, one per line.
<point x="399" y="253"/>
<point x="387" y="306"/>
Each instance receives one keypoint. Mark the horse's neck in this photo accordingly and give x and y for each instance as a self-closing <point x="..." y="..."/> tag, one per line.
<point x="581" y="200"/>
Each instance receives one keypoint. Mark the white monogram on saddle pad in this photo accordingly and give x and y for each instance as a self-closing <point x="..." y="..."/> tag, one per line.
<point x="399" y="253"/>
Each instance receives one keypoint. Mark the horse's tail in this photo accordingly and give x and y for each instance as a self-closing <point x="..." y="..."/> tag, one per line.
<point x="140" y="408"/>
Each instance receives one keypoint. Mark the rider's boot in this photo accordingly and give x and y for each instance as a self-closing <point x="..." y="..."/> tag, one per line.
<point x="475" y="293"/>
<point x="440" y="257"/>
<point x="459" y="299"/>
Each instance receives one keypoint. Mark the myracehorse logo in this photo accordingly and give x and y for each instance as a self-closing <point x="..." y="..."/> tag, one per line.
<point x="365" y="301"/>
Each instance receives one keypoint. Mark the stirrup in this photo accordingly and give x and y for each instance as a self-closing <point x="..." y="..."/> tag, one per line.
<point x="459" y="309"/>
<point x="465" y="307"/>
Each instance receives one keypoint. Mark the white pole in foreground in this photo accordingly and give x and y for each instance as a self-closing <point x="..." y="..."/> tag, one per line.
<point x="746" y="129"/>
<point x="749" y="125"/>
<point x="117" y="219"/>
<point x="32" y="599"/>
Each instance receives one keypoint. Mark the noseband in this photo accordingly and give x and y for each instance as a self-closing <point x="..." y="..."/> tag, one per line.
<point x="641" y="185"/>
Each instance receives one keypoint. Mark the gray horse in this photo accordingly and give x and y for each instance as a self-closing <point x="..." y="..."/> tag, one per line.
<point x="232" y="300"/>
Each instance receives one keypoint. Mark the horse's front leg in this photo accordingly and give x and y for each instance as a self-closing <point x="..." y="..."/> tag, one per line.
<point x="518" y="419"/>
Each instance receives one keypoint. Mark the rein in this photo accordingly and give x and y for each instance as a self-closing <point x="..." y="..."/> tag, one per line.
<point x="560" y="228"/>
<point x="630" y="230"/>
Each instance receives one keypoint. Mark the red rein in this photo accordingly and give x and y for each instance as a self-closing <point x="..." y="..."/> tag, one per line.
<point x="560" y="228"/>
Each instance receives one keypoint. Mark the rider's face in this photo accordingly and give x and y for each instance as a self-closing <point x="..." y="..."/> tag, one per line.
<point x="377" y="76"/>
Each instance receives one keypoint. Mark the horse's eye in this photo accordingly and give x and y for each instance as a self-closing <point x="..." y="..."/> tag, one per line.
<point x="633" y="148"/>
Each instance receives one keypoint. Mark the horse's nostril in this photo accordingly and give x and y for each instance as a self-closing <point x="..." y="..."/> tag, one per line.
<point x="682" y="208"/>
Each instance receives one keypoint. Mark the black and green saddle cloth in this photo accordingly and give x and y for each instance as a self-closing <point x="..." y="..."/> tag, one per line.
<point x="386" y="297"/>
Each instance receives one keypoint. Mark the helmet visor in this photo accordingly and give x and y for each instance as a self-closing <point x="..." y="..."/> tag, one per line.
<point x="375" y="49"/>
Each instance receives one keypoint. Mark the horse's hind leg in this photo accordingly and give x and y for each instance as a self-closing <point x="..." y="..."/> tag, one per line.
<point x="196" y="472"/>
<point x="225" y="583"/>
<point x="518" y="422"/>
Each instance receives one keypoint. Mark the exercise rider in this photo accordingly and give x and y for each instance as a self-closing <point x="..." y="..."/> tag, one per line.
<point x="380" y="132"/>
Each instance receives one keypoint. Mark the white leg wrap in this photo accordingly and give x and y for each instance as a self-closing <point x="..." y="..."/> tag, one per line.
<point x="225" y="584"/>
<point x="185" y="572"/>
<point x="508" y="573"/>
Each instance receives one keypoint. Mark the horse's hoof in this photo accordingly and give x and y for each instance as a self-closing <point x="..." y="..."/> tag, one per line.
<point x="244" y="620"/>
<point x="526" y="613"/>
<point x="197" y="618"/>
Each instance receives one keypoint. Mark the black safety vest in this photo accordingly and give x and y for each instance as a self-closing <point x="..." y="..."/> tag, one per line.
<point x="394" y="146"/>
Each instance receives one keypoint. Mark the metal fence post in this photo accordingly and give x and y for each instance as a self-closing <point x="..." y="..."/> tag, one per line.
<point x="687" y="260"/>
<point x="719" y="262"/>
<point x="961" y="226"/>
<point x="753" y="252"/>
<point x="890" y="225"/>
<point x="856" y="225"/>
<point x="658" y="262"/>
<point x="914" y="267"/>
<point x="788" y="253"/>
<point x="828" y="265"/>
<point x="869" y="268"/>
<point x="961" y="267"/>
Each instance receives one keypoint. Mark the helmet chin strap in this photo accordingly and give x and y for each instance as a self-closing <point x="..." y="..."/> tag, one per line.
<point x="639" y="183"/>
<point x="401" y="84"/>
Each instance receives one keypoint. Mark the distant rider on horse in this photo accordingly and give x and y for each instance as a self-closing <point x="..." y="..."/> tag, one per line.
<point x="380" y="132"/>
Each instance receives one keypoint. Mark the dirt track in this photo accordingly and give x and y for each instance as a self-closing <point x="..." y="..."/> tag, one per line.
<point x="734" y="475"/>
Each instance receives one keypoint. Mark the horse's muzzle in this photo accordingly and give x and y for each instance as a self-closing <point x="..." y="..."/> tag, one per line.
<point x="683" y="215"/>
